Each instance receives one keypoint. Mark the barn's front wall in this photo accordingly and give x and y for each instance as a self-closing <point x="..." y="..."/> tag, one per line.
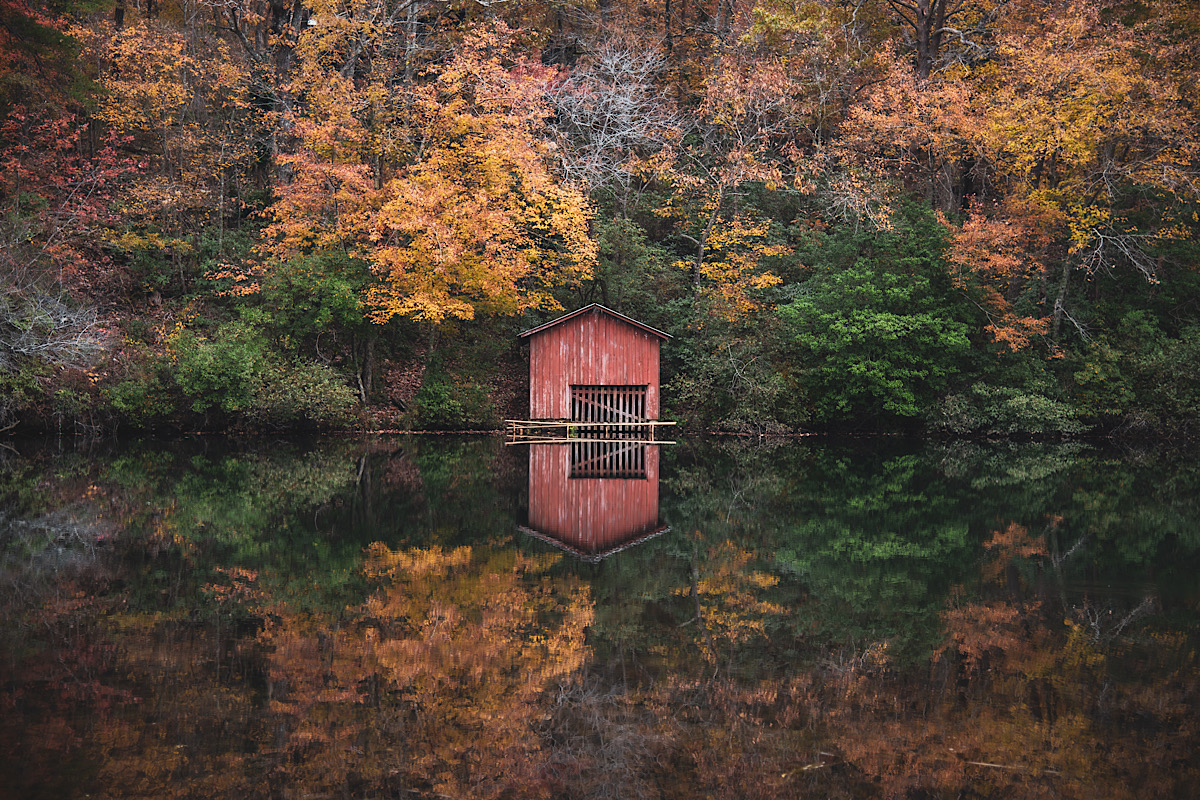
<point x="592" y="349"/>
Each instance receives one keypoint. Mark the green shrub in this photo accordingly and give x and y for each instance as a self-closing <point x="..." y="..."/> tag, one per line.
<point x="1004" y="410"/>
<point x="19" y="391"/>
<point x="289" y="392"/>
<point x="220" y="372"/>
<point x="878" y="331"/>
<point x="1101" y="390"/>
<point x="236" y="371"/>
<point x="304" y="297"/>
<point x="446" y="403"/>
<point x="865" y="342"/>
<point x="1162" y="372"/>
<point x="141" y="398"/>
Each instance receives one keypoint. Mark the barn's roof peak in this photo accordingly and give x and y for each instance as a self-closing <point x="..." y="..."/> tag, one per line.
<point x="595" y="307"/>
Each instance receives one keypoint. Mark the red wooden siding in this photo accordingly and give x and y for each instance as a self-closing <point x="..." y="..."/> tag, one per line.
<point x="590" y="515"/>
<point x="593" y="349"/>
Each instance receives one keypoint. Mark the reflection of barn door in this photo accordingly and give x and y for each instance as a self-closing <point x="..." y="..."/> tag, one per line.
<point x="608" y="403"/>
<point x="608" y="460"/>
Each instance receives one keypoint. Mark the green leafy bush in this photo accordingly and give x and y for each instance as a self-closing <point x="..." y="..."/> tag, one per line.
<point x="446" y="403"/>
<point x="142" y="397"/>
<point x="1004" y="410"/>
<point x="288" y="392"/>
<point x="19" y="390"/>
<point x="236" y="371"/>
<point x="868" y="342"/>
<point x="1161" y="371"/>
<point x="306" y="296"/>
<point x="721" y="373"/>
<point x="877" y="332"/>
<point x="219" y="372"/>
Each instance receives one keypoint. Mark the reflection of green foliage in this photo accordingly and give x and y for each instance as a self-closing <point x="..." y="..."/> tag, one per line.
<point x="467" y="490"/>
<point x="239" y="510"/>
<point x="878" y="543"/>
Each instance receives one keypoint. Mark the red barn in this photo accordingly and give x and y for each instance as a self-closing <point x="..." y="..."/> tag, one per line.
<point x="594" y="365"/>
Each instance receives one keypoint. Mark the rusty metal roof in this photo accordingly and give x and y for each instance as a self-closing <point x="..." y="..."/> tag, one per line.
<point x="595" y="307"/>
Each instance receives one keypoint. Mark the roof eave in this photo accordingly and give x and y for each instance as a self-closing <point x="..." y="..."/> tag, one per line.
<point x="594" y="307"/>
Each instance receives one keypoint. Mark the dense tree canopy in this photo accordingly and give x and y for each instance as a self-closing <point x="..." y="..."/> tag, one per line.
<point x="429" y="177"/>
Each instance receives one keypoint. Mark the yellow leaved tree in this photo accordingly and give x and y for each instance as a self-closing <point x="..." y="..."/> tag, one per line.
<point x="443" y="187"/>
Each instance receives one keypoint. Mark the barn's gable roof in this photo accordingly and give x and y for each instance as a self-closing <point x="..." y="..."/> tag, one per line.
<point x="598" y="308"/>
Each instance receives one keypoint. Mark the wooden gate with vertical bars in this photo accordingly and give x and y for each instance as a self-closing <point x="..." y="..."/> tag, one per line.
<point x="606" y="404"/>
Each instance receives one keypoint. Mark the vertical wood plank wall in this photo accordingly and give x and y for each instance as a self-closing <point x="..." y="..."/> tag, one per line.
<point x="594" y="349"/>
<point x="591" y="515"/>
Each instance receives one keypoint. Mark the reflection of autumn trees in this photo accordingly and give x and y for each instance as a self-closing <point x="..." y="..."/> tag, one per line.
<point x="433" y="686"/>
<point x="1021" y="704"/>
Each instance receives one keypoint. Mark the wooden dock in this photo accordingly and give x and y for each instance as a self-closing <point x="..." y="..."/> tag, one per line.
<point x="533" y="431"/>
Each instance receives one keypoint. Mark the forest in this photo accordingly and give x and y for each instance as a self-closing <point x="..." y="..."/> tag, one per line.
<point x="946" y="217"/>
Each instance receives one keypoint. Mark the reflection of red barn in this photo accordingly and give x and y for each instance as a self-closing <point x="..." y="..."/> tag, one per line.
<point x="594" y="365"/>
<point x="593" y="499"/>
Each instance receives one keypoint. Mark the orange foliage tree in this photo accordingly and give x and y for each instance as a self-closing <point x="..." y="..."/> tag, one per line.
<point x="443" y="188"/>
<point x="1088" y="117"/>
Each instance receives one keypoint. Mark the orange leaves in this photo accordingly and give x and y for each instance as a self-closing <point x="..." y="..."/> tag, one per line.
<point x="1085" y="114"/>
<point x="912" y="127"/>
<point x="998" y="256"/>
<point x="471" y="221"/>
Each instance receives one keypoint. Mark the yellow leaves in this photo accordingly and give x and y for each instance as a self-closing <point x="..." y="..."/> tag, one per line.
<point x="1080" y="110"/>
<point x="434" y="562"/>
<point x="469" y="638"/>
<point x="131" y="241"/>
<point x="470" y="222"/>
<point x="1083" y="222"/>
<point x="733" y="268"/>
<point x="181" y="102"/>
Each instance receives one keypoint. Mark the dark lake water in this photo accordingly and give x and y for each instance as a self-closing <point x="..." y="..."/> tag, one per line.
<point x="443" y="617"/>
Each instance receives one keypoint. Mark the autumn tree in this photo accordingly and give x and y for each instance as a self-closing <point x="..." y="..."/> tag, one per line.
<point x="179" y="102"/>
<point x="466" y="217"/>
<point x="1088" y="118"/>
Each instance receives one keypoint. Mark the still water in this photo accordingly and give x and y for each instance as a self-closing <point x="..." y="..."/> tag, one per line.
<point x="442" y="617"/>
